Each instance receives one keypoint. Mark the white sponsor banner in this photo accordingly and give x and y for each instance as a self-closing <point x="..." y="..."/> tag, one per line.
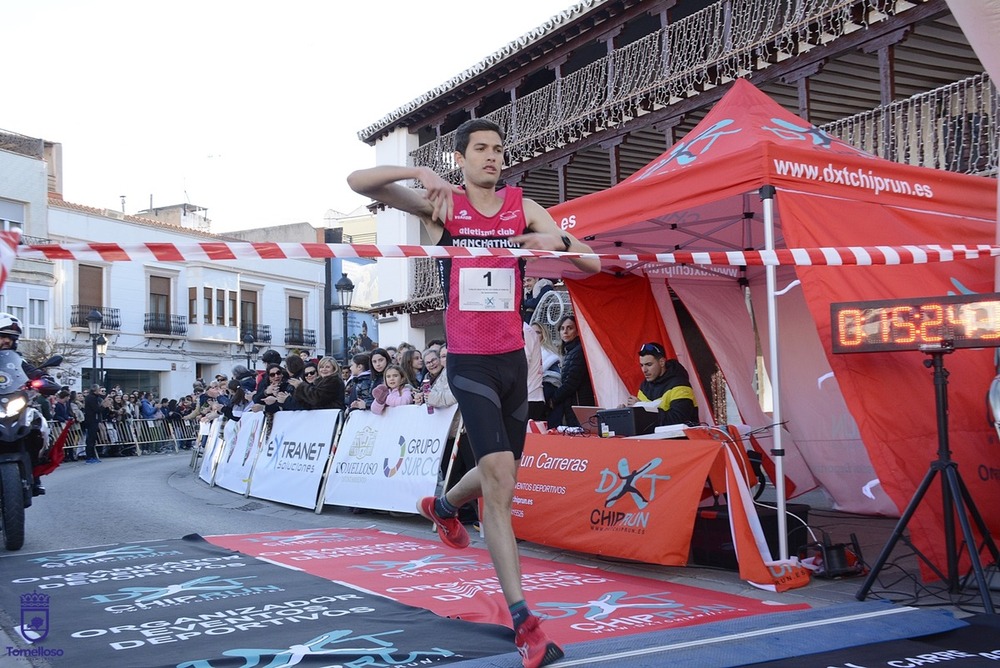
<point x="213" y="447"/>
<point x="238" y="455"/>
<point x="291" y="464"/>
<point x="388" y="461"/>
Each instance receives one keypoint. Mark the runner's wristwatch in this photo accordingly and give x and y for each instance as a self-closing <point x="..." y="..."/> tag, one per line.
<point x="566" y="241"/>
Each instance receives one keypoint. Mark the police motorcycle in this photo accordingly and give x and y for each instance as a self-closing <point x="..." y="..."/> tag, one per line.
<point x="24" y="434"/>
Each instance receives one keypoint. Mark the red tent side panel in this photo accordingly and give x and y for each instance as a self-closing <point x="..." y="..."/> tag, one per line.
<point x="812" y="403"/>
<point x="623" y="315"/>
<point x="891" y="395"/>
<point x="719" y="309"/>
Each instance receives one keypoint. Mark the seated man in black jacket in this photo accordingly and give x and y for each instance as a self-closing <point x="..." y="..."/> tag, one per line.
<point x="668" y="382"/>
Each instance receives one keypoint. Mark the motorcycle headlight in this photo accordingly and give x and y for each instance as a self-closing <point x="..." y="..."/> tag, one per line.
<point x="12" y="407"/>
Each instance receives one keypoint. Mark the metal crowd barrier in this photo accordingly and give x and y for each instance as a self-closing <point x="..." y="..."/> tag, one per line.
<point x="130" y="437"/>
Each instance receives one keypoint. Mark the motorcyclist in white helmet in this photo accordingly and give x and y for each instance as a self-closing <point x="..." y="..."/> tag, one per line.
<point x="10" y="332"/>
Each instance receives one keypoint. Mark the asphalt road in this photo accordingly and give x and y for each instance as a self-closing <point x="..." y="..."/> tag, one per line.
<point x="159" y="497"/>
<point x="152" y="497"/>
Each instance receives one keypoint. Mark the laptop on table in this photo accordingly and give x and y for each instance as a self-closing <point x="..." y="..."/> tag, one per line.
<point x="587" y="417"/>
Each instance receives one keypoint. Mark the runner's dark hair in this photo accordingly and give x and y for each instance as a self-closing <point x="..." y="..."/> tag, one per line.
<point x="474" y="125"/>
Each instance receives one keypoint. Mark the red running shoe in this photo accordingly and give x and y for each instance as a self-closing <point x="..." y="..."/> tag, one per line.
<point x="534" y="646"/>
<point x="452" y="533"/>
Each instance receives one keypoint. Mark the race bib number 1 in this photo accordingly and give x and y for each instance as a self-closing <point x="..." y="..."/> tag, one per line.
<point x="486" y="289"/>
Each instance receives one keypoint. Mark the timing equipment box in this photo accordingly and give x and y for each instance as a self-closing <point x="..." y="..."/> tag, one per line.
<point x="712" y="539"/>
<point x="626" y="421"/>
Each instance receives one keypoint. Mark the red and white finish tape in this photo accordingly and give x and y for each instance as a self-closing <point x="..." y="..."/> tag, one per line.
<point x="212" y="251"/>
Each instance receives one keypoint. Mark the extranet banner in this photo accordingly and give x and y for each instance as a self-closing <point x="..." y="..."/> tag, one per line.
<point x="291" y="463"/>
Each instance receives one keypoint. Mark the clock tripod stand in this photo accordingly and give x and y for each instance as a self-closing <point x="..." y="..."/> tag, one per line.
<point x="955" y="498"/>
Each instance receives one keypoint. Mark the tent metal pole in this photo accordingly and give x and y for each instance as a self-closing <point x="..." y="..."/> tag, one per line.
<point x="770" y="271"/>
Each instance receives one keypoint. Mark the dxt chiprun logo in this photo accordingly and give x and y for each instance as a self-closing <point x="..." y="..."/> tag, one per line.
<point x="349" y="648"/>
<point x="34" y="628"/>
<point x="631" y="486"/>
<point x="211" y="588"/>
<point x="121" y="553"/>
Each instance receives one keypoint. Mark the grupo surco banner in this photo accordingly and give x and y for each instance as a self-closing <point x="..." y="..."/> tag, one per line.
<point x="388" y="461"/>
<point x="291" y="463"/>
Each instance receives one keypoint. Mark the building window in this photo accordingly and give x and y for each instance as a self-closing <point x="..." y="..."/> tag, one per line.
<point x="17" y="312"/>
<point x="36" y="318"/>
<point x="91" y="285"/>
<point x="232" y="308"/>
<point x="220" y="307"/>
<point x="159" y="296"/>
<point x="192" y="305"/>
<point x="295" y="314"/>
<point x="208" y="306"/>
<point x="248" y="309"/>
<point x="11" y="216"/>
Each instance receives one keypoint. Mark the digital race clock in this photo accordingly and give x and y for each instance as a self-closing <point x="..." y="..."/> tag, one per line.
<point x="918" y="323"/>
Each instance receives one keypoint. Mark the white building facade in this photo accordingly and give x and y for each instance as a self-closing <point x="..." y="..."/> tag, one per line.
<point x="165" y="323"/>
<point x="24" y="183"/>
<point x="169" y="323"/>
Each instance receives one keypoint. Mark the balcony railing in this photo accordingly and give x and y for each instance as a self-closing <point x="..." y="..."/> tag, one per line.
<point x="426" y="295"/>
<point x="34" y="241"/>
<point x="165" y="324"/>
<point x="112" y="317"/>
<point x="952" y="128"/>
<point x="711" y="47"/>
<point x="17" y="143"/>
<point x="260" y="333"/>
<point x="296" y="336"/>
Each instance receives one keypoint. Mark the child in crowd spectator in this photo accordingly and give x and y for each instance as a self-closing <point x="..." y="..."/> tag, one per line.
<point x="359" y="387"/>
<point x="394" y="392"/>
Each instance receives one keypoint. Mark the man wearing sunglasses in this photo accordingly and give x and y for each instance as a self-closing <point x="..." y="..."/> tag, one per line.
<point x="668" y="382"/>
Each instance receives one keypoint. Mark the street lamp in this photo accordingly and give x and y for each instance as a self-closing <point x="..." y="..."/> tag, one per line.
<point x="94" y="321"/>
<point x="345" y="292"/>
<point x="249" y="350"/>
<point x="102" y="350"/>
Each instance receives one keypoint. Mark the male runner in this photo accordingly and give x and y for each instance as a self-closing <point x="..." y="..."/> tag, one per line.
<point x="486" y="364"/>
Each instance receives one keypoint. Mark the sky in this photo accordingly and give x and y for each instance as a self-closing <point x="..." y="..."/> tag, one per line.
<point x="250" y="109"/>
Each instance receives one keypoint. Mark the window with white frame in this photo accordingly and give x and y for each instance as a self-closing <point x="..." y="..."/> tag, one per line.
<point x="11" y="215"/>
<point x="17" y="312"/>
<point x="37" y="320"/>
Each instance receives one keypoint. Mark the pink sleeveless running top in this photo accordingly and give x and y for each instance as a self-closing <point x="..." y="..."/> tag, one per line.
<point x="483" y="294"/>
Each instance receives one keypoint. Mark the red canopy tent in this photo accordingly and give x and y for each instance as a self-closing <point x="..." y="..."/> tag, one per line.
<point x="753" y="176"/>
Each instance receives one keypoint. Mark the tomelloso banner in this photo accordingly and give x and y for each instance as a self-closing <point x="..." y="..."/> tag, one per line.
<point x="389" y="461"/>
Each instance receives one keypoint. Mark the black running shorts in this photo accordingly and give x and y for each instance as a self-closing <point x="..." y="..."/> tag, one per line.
<point x="492" y="393"/>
